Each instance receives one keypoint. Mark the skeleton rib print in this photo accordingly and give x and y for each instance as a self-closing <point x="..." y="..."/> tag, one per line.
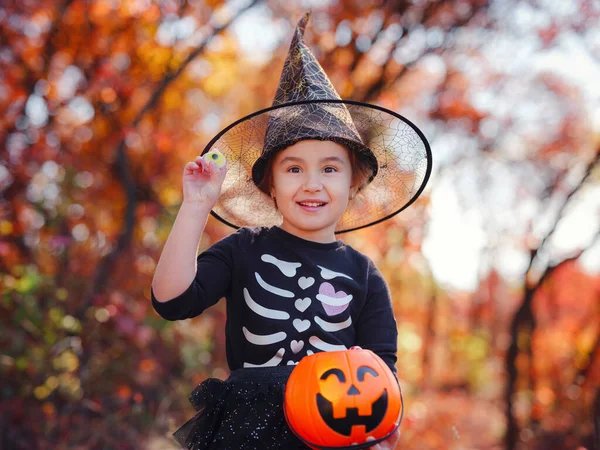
<point x="333" y="302"/>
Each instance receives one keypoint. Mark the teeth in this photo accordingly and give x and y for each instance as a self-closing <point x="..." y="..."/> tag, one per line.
<point x="311" y="204"/>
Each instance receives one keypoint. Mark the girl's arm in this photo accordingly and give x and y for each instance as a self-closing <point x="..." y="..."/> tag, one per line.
<point x="176" y="268"/>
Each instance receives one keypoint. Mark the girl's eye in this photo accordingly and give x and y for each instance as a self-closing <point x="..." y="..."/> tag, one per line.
<point x="330" y="169"/>
<point x="294" y="169"/>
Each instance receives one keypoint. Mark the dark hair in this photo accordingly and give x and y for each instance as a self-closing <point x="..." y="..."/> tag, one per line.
<point x="361" y="171"/>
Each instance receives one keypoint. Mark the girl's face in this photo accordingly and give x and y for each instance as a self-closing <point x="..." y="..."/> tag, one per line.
<point x="312" y="181"/>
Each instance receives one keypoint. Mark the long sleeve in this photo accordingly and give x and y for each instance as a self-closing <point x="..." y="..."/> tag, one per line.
<point x="376" y="328"/>
<point x="212" y="281"/>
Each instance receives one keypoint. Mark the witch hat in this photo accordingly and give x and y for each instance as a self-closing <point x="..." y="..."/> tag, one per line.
<point x="303" y="78"/>
<point x="307" y="106"/>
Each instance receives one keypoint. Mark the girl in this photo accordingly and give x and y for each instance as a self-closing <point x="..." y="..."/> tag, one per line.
<point x="296" y="174"/>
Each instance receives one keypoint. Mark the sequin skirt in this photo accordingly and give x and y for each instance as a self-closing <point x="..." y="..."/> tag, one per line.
<point x="244" y="412"/>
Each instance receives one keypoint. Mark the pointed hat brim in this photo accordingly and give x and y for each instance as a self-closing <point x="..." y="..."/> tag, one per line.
<point x="400" y="148"/>
<point x="307" y="107"/>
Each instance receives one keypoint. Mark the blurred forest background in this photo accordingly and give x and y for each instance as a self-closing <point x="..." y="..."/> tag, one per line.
<point x="495" y="271"/>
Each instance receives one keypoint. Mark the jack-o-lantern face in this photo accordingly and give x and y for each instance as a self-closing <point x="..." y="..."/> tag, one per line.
<point x="334" y="399"/>
<point x="345" y="413"/>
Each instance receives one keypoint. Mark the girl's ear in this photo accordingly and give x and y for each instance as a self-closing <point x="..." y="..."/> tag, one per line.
<point x="272" y="194"/>
<point x="352" y="193"/>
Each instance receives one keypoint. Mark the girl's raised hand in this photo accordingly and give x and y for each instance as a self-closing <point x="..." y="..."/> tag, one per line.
<point x="202" y="181"/>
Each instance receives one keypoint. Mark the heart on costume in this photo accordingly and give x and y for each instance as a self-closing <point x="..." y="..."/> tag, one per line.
<point x="305" y="283"/>
<point x="292" y="363"/>
<point x="301" y="325"/>
<point x="333" y="302"/>
<point x="302" y="304"/>
<point x="310" y="352"/>
<point x="296" y="346"/>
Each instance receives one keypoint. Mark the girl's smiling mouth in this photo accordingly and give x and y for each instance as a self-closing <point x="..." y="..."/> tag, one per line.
<point x="311" y="205"/>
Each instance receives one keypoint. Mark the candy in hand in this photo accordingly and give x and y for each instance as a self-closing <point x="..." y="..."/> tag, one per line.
<point x="217" y="157"/>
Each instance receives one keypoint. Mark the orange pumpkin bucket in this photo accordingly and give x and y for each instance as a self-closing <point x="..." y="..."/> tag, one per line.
<point x="336" y="400"/>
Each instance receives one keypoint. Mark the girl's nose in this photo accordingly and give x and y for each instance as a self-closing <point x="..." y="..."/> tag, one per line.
<point x="313" y="183"/>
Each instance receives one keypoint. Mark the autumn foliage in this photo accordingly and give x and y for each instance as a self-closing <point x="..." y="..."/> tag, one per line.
<point x="103" y="103"/>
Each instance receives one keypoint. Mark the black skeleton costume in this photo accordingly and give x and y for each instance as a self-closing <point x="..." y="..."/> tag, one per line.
<point x="288" y="297"/>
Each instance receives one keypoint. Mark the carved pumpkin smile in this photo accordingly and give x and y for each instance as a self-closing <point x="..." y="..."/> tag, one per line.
<point x="356" y="407"/>
<point x="339" y="399"/>
<point x="352" y="418"/>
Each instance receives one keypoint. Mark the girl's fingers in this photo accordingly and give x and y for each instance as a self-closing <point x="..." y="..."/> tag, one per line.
<point x="206" y="166"/>
<point x="373" y="447"/>
<point x="201" y="165"/>
<point x="190" y="167"/>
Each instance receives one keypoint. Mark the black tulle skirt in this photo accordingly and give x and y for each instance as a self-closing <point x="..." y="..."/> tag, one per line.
<point x="243" y="412"/>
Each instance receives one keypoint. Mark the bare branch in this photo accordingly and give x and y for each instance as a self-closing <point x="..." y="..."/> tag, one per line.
<point x="581" y="377"/>
<point x="31" y="78"/>
<point x="589" y="169"/>
<point x="170" y="77"/>
<point x="596" y="416"/>
<point x="105" y="266"/>
<point x="524" y="321"/>
<point x="375" y="89"/>
<point x="380" y="85"/>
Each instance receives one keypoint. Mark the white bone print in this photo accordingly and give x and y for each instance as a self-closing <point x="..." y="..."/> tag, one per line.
<point x="302" y="304"/>
<point x="262" y="311"/>
<point x="333" y="302"/>
<point x="296" y="346"/>
<point x="333" y="299"/>
<point x="274" y="361"/>
<point x="287" y="268"/>
<point x="301" y="325"/>
<point x="272" y="289"/>
<point x="327" y="274"/>
<point x="266" y="339"/>
<point x="325" y="346"/>
<point x="305" y="282"/>
<point x="332" y="327"/>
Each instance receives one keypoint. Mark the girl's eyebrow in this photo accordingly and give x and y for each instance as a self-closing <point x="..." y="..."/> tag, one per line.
<point x="332" y="158"/>
<point x="290" y="159"/>
<point x="326" y="159"/>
